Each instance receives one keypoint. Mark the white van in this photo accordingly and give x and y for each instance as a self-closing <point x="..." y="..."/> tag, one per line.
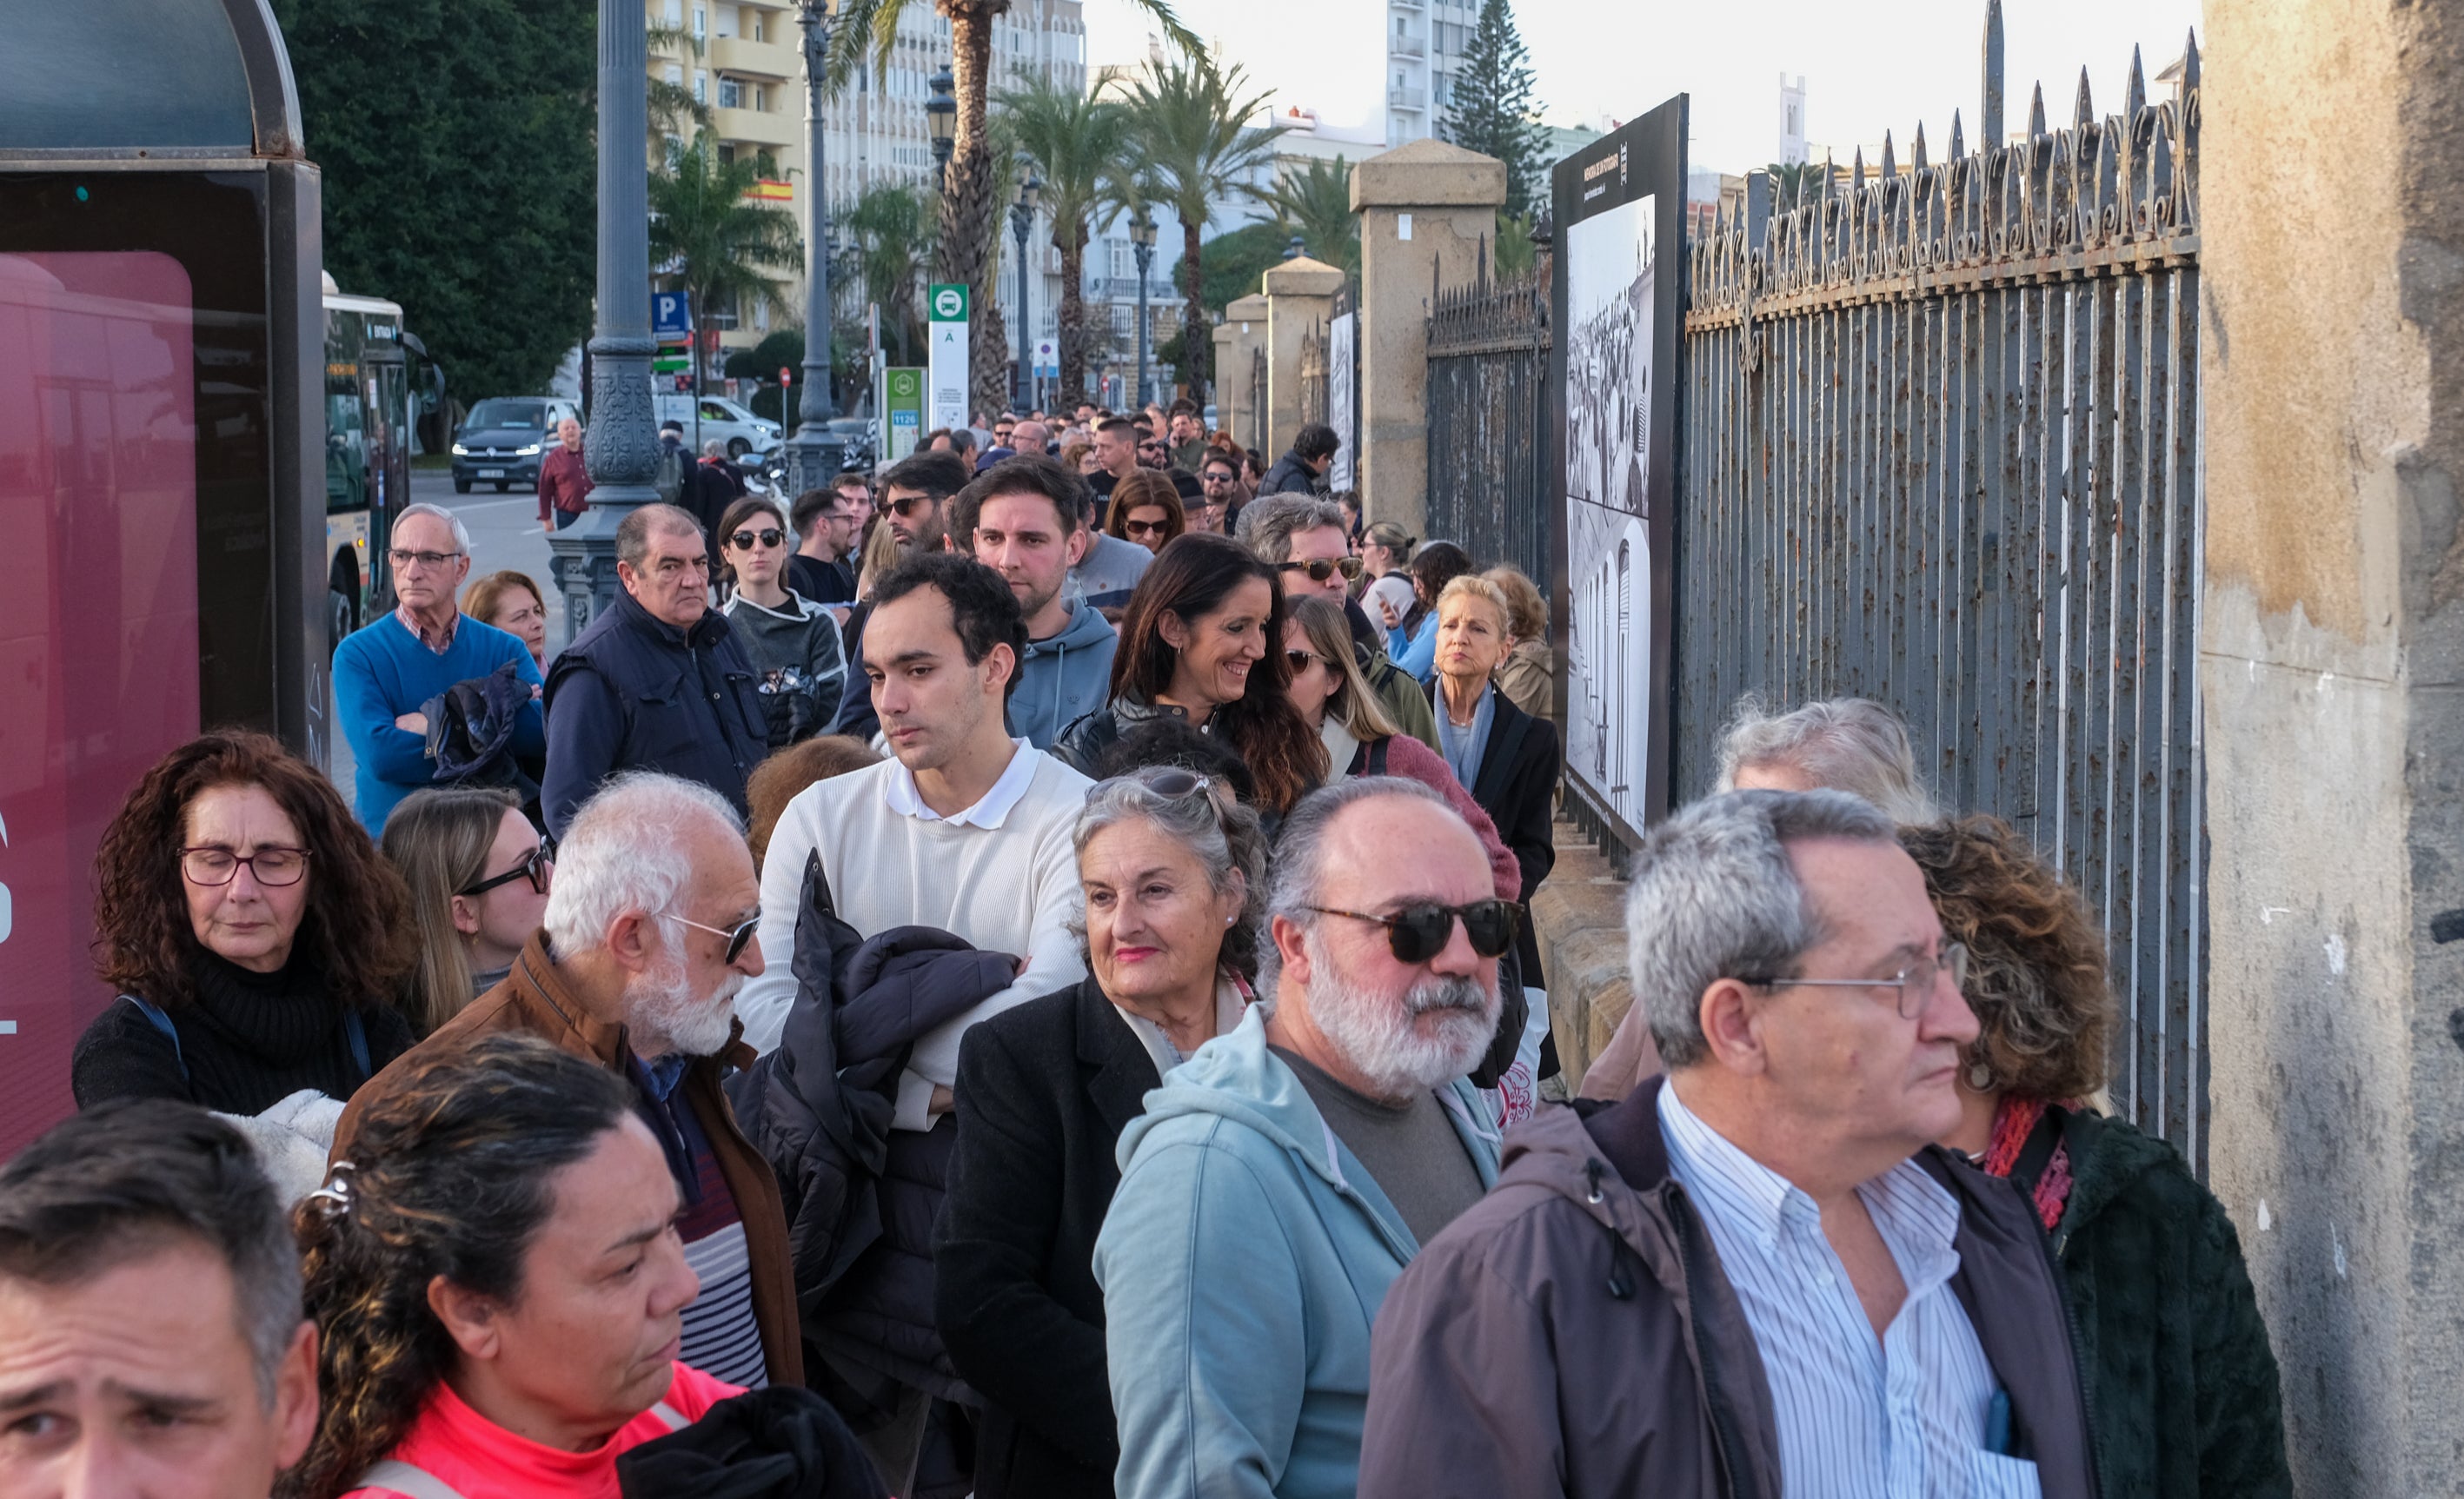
<point x="738" y="428"/>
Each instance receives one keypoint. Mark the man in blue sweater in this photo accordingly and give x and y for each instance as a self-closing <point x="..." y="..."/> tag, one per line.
<point x="384" y="672"/>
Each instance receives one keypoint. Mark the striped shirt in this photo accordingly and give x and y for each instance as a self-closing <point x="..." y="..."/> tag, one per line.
<point x="1900" y="1418"/>
<point x="721" y="1338"/>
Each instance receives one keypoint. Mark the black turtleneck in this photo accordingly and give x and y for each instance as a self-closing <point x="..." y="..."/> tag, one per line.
<point x="249" y="1039"/>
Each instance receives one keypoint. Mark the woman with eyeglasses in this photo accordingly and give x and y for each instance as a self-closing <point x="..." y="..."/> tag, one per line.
<point x="1174" y="874"/>
<point x="253" y="931"/>
<point x="2172" y="1352"/>
<point x="794" y="645"/>
<point x="478" y="875"/>
<point x="1201" y="642"/>
<point x="1146" y="510"/>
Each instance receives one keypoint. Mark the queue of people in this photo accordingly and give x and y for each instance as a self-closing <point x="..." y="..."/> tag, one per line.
<point x="1104" y="1062"/>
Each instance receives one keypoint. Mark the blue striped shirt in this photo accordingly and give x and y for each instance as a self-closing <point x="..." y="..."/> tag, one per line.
<point x="1858" y="1419"/>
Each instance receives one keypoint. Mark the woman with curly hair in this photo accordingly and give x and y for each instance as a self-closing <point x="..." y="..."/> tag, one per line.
<point x="2172" y="1348"/>
<point x="497" y="1286"/>
<point x="253" y="931"/>
<point x="1203" y="641"/>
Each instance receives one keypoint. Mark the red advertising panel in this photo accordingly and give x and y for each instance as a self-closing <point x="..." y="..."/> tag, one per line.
<point x="98" y="622"/>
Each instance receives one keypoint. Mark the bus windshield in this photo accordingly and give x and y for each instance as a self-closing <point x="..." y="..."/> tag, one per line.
<point x="531" y="414"/>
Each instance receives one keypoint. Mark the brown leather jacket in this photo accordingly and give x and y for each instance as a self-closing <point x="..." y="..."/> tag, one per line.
<point x="534" y="1000"/>
<point x="1572" y="1335"/>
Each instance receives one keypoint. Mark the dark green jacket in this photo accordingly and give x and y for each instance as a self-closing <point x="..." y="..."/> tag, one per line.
<point x="2181" y="1382"/>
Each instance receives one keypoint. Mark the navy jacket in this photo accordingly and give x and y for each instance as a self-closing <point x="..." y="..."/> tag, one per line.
<point x="633" y="692"/>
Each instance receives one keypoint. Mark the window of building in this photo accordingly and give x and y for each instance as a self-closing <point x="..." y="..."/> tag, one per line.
<point x="1125" y="320"/>
<point x="732" y="94"/>
<point x="1124" y="264"/>
<point x="676" y="75"/>
<point x="701" y="88"/>
<point x="701" y="20"/>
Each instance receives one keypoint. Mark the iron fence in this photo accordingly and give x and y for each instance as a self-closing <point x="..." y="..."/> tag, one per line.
<point x="1490" y="414"/>
<point x="1940" y="446"/>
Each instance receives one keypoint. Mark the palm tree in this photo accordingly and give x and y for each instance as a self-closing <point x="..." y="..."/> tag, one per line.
<point x="967" y="247"/>
<point x="673" y="106"/>
<point x="1078" y="145"/>
<point x="893" y="227"/>
<point x="710" y="239"/>
<point x="1315" y="203"/>
<point x="1192" y="125"/>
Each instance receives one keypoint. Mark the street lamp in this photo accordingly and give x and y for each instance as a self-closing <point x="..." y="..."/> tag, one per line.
<point x="941" y="114"/>
<point x="1022" y="218"/>
<point x="813" y="451"/>
<point x="1142" y="237"/>
<point x="1296" y="249"/>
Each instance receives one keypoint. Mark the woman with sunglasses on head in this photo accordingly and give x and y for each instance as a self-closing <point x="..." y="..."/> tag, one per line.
<point x="1146" y="510"/>
<point x="1174" y="874"/>
<point x="253" y="932"/>
<point x="793" y="642"/>
<point x="1201" y="641"/>
<point x="478" y="876"/>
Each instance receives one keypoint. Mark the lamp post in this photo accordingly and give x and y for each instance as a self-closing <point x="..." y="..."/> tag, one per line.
<point x="813" y="451"/>
<point x="1142" y="237"/>
<point x="622" y="450"/>
<point x="1022" y="218"/>
<point x="941" y="115"/>
<point x="1296" y="248"/>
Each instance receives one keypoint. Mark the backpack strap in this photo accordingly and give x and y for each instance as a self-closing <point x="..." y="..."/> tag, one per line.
<point x="162" y="1022"/>
<point x="1378" y="758"/>
<point x="358" y="1035"/>
<point x="404" y="1478"/>
<point x="674" y="1418"/>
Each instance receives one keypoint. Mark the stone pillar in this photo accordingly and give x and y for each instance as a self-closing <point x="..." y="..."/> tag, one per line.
<point x="1425" y="209"/>
<point x="1300" y="296"/>
<point x="2332" y="651"/>
<point x="1238" y="339"/>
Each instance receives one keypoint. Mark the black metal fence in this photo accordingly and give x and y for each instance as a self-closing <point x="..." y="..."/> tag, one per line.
<point x="1490" y="414"/>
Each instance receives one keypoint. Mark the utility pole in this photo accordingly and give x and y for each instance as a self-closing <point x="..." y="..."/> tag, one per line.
<point x="813" y="451"/>
<point x="1142" y="239"/>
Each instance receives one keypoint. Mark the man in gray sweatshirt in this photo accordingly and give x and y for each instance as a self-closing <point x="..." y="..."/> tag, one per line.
<point x="1023" y="517"/>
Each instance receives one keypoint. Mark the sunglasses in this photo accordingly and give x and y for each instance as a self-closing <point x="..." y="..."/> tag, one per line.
<point x="1322" y="568"/>
<point x="1420" y="933"/>
<point x="534" y="865"/>
<point x="1300" y="660"/>
<point x="1171" y="783"/>
<point x="908" y="504"/>
<point x="738" y="936"/>
<point x="769" y="535"/>
<point x="1134" y="529"/>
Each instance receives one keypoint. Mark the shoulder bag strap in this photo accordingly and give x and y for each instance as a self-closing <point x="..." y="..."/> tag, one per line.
<point x="1378" y="758"/>
<point x="162" y="1022"/>
<point x="358" y="1034"/>
<point x="674" y="1418"/>
<point x="403" y="1478"/>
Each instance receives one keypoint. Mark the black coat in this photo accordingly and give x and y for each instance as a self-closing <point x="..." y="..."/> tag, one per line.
<point x="1517" y="787"/>
<point x="1043" y="1094"/>
<point x="1291" y="477"/>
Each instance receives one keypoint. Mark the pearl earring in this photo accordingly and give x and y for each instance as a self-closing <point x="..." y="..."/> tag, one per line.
<point x="1980" y="1078"/>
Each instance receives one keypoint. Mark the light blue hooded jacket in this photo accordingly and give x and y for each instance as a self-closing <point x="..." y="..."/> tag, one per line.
<point x="1064" y="678"/>
<point x="1243" y="1261"/>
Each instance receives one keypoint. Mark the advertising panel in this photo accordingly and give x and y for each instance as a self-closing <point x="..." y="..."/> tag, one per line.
<point x="946" y="304"/>
<point x="1618" y="299"/>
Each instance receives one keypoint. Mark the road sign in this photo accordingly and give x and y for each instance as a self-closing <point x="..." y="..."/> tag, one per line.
<point x="1047" y="359"/>
<point x="949" y="303"/>
<point x="787" y="376"/>
<point x="670" y="316"/>
<point x="902" y="412"/>
<point x="947" y="402"/>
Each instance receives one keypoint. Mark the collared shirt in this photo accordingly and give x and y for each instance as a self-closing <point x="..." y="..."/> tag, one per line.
<point x="1898" y="1418"/>
<point x="439" y="643"/>
<point x="990" y="810"/>
<point x="1464" y="747"/>
<point x="1231" y="1000"/>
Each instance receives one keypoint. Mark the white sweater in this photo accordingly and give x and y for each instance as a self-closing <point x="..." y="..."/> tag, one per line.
<point x="1012" y="889"/>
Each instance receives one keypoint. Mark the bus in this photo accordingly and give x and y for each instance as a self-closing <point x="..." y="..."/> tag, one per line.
<point x="369" y="398"/>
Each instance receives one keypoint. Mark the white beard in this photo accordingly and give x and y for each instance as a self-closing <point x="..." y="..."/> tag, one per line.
<point x="661" y="1007"/>
<point x="1437" y="1032"/>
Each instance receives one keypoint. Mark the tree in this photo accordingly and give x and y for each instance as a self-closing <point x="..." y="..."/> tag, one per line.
<point x="713" y="241"/>
<point x="892" y="229"/>
<point x="1493" y="111"/>
<point x="419" y="115"/>
<point x="1235" y="261"/>
<point x="1793" y="183"/>
<point x="673" y="113"/>
<point x="1078" y="145"/>
<point x="967" y="248"/>
<point x="1315" y="203"/>
<point x="1193" y="131"/>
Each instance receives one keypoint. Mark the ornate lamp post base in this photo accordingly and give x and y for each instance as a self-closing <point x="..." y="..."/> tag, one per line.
<point x="622" y="441"/>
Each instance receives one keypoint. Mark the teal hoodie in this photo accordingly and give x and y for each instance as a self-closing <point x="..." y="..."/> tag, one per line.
<point x="1243" y="1261"/>
<point x="1064" y="678"/>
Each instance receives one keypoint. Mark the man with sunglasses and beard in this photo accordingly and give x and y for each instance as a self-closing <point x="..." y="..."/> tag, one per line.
<point x="651" y="930"/>
<point x="1283" y="1176"/>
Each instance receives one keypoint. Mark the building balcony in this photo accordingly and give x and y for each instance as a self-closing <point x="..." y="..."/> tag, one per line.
<point x="749" y="58"/>
<point x="770" y="127"/>
<point x="1407" y="96"/>
<point x="1400" y="46"/>
<point x="1409" y="4"/>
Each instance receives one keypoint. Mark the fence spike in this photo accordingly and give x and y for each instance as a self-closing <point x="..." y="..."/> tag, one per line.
<point x="1830" y="172"/>
<point x="2036" y="114"/>
<point x="1989" y="120"/>
<point x="2084" y="109"/>
<point x="1858" y="170"/>
<point x="1889" y="169"/>
<point x="1917" y="150"/>
<point x="1480" y="266"/>
<point x="2190" y="62"/>
<point x="2136" y="97"/>
<point x="1958" y="142"/>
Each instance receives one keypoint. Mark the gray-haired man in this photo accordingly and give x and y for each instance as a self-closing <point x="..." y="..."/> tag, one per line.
<point x="1758" y="1275"/>
<point x="151" y="1341"/>
<point x="1305" y="538"/>
<point x="385" y="673"/>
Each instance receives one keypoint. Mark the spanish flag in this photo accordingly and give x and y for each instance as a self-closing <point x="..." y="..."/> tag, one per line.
<point x="771" y="192"/>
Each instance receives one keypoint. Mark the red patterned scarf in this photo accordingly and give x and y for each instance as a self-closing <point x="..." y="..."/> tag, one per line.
<point x="2014" y="1119"/>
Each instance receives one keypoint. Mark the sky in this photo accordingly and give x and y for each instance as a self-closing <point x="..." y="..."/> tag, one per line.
<point x="1867" y="67"/>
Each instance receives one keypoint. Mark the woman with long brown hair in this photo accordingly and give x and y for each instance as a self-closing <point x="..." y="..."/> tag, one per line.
<point x="1203" y="639"/>
<point x="1146" y="510"/>
<point x="253" y="931"/>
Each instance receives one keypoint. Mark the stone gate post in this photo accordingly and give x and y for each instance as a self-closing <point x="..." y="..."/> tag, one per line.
<point x="1300" y="296"/>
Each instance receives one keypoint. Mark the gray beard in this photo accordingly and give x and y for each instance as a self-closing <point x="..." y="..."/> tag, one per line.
<point x="663" y="1012"/>
<point x="1397" y="1047"/>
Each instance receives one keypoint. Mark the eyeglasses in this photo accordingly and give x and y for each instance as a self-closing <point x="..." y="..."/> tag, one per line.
<point x="212" y="865"/>
<point x="534" y="865"/>
<point x="1134" y="529"/>
<point x="738" y="936"/>
<point x="1300" y="660"/>
<point x="1320" y="569"/>
<point x="768" y="535"/>
<point x="403" y="559"/>
<point x="1915" y="983"/>
<point x="1419" y="933"/>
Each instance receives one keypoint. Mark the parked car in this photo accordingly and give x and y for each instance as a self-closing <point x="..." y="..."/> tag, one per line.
<point x="740" y="430"/>
<point x="500" y="441"/>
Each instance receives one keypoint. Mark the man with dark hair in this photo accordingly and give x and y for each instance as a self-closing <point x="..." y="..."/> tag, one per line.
<point x="1219" y="493"/>
<point x="1117" y="448"/>
<point x="1303" y="537"/>
<point x="1302" y="470"/>
<point x="824" y="535"/>
<point x="1188" y="436"/>
<point x="657" y="681"/>
<point x="151" y="1341"/>
<point x="965" y="829"/>
<point x="915" y="503"/>
<point x="1023" y="519"/>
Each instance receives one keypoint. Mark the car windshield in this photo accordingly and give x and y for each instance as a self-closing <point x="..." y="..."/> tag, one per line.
<point x="529" y="414"/>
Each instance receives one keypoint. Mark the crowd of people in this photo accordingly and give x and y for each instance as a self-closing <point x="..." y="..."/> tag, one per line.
<point x="901" y="1005"/>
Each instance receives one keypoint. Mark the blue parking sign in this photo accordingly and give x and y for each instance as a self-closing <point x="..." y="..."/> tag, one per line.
<point x="669" y="316"/>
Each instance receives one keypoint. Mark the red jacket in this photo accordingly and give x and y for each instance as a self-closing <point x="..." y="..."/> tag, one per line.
<point x="562" y="482"/>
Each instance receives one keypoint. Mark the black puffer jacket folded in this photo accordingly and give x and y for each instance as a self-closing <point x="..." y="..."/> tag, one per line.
<point x="782" y="1443"/>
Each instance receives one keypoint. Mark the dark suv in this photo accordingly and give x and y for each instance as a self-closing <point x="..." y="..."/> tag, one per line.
<point x="501" y="440"/>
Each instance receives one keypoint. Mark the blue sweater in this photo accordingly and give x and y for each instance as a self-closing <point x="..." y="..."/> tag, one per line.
<point x="383" y="671"/>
